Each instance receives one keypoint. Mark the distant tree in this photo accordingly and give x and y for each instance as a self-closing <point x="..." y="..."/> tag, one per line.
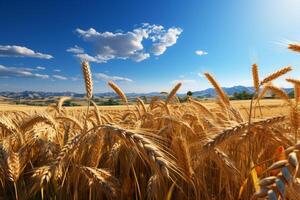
<point x="110" y="102"/>
<point x="144" y="99"/>
<point x="69" y="103"/>
<point x="241" y="95"/>
<point x="189" y="93"/>
<point x="291" y="94"/>
<point x="96" y="100"/>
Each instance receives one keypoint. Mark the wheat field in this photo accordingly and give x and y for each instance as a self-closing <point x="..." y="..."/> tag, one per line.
<point x="223" y="150"/>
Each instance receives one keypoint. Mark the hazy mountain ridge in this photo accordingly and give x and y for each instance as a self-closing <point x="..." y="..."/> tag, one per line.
<point x="210" y="92"/>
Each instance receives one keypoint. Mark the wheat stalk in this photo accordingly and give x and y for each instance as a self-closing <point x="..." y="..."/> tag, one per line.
<point x="180" y="147"/>
<point x="97" y="113"/>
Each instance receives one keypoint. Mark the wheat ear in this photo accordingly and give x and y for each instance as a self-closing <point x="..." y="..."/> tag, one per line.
<point x="151" y="150"/>
<point x="173" y="92"/>
<point x="141" y="102"/>
<point x="240" y="129"/>
<point x="87" y="75"/>
<point x="296" y="84"/>
<point x="294" y="47"/>
<point x="61" y="102"/>
<point x="223" y="97"/>
<point x="276" y="74"/>
<point x="38" y="118"/>
<point x="118" y="91"/>
<point x="104" y="178"/>
<point x="202" y="108"/>
<point x="255" y="77"/>
<point x="294" y="81"/>
<point x="279" y="92"/>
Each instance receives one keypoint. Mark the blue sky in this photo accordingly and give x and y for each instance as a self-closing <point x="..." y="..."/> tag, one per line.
<point x="144" y="46"/>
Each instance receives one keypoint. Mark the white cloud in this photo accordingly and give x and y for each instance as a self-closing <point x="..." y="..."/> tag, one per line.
<point x="74" y="78"/>
<point x="187" y="85"/>
<point x="20" y="72"/>
<point x="57" y="70"/>
<point x="183" y="81"/>
<point x="127" y="45"/>
<point x="87" y="57"/>
<point x="106" y="77"/>
<point x="76" y="49"/>
<point x="282" y="83"/>
<point x="165" y="40"/>
<point x="201" y="75"/>
<point x="19" y="51"/>
<point x="201" y="53"/>
<point x="40" y="68"/>
<point x="43" y="76"/>
<point x="59" y="77"/>
<point x="140" y="57"/>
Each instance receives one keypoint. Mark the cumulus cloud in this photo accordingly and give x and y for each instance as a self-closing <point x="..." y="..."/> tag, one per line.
<point x="76" y="49"/>
<point x="140" y="57"/>
<point x="126" y="45"/>
<point x="165" y="39"/>
<point x="20" y="72"/>
<point x="87" y="57"/>
<point x="201" y="53"/>
<point x="40" y="68"/>
<point x="106" y="77"/>
<point x="57" y="70"/>
<point x="19" y="51"/>
<point x="59" y="77"/>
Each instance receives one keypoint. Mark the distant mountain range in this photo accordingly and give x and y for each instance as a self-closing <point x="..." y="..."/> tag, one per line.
<point x="208" y="93"/>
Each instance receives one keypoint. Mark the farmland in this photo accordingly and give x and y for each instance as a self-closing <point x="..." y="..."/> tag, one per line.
<point x="165" y="149"/>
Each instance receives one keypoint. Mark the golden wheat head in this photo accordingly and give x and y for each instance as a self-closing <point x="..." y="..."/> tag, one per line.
<point x="222" y="95"/>
<point x="255" y="77"/>
<point x="173" y="92"/>
<point x="118" y="91"/>
<point x="294" y="47"/>
<point x="87" y="75"/>
<point x="276" y="74"/>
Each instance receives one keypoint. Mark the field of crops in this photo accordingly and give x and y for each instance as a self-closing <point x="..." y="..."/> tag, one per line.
<point x="162" y="150"/>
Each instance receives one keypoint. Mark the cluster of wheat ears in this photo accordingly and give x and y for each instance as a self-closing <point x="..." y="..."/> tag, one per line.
<point x="161" y="150"/>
